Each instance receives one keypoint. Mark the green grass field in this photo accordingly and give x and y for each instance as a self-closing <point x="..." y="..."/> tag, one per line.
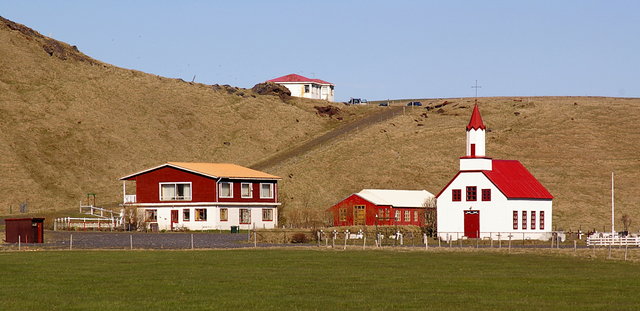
<point x="313" y="280"/>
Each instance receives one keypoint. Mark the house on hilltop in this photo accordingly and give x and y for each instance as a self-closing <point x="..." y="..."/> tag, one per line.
<point x="488" y="197"/>
<point x="304" y="87"/>
<point x="204" y="196"/>
<point x="381" y="207"/>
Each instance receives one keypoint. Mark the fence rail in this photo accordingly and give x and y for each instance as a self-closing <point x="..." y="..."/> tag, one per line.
<point x="613" y="241"/>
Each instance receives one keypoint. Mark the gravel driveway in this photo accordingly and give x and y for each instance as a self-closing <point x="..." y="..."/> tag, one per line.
<point x="125" y="240"/>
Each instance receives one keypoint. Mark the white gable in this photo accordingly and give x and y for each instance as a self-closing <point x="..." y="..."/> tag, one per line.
<point x="396" y="198"/>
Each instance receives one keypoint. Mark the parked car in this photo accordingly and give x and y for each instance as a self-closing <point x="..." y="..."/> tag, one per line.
<point x="357" y="101"/>
<point x="383" y="104"/>
<point x="414" y="104"/>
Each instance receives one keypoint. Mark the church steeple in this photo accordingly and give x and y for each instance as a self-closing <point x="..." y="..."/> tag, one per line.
<point x="476" y="135"/>
<point x="476" y="120"/>
<point x="475" y="158"/>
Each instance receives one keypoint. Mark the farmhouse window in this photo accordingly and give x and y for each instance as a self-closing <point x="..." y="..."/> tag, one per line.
<point x="224" y="214"/>
<point x="524" y="220"/>
<point x="456" y="195"/>
<point x="407" y="216"/>
<point x="306" y="88"/>
<point x="151" y="215"/>
<point x="245" y="216"/>
<point x="486" y="194"/>
<point x="397" y="215"/>
<point x="267" y="214"/>
<point x="186" y="214"/>
<point x="515" y="220"/>
<point x="387" y="213"/>
<point x="226" y="190"/>
<point x="541" y="220"/>
<point x="343" y="214"/>
<point x="175" y="191"/>
<point x="415" y="216"/>
<point x="201" y="214"/>
<point x="266" y="191"/>
<point x="246" y="190"/>
<point x="472" y="193"/>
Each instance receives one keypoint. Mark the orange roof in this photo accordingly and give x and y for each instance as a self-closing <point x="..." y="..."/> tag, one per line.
<point x="226" y="170"/>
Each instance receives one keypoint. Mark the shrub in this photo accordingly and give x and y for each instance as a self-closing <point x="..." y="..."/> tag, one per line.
<point x="299" y="237"/>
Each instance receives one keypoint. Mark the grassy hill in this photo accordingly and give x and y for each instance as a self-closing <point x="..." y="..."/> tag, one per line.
<point x="71" y="125"/>
<point x="571" y="144"/>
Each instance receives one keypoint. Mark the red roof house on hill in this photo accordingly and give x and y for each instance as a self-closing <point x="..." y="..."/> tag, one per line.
<point x="305" y="87"/>
<point x="492" y="198"/>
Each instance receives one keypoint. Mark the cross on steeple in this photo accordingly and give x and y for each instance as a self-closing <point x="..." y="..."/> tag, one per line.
<point x="476" y="86"/>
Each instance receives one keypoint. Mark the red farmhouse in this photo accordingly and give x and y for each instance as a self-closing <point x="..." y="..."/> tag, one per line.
<point x="387" y="207"/>
<point x="204" y="196"/>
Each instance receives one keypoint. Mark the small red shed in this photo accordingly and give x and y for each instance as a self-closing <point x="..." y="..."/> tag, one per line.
<point x="382" y="207"/>
<point x="26" y="230"/>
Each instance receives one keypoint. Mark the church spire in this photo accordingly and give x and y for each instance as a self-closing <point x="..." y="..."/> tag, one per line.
<point x="476" y="120"/>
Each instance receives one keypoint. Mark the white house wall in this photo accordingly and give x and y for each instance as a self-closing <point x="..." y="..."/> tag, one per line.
<point x="496" y="216"/>
<point x="316" y="91"/>
<point x="213" y="221"/>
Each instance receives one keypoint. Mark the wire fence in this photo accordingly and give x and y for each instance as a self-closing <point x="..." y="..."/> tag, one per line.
<point x="334" y="239"/>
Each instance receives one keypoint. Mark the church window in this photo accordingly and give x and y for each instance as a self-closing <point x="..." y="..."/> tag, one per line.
<point x="486" y="194"/>
<point x="456" y="195"/>
<point x="541" y="220"/>
<point x="533" y="220"/>
<point x="472" y="193"/>
<point x="524" y="220"/>
<point x="515" y="220"/>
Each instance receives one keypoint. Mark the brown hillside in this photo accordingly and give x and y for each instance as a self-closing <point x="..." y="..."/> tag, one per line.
<point x="571" y="144"/>
<point x="70" y="125"/>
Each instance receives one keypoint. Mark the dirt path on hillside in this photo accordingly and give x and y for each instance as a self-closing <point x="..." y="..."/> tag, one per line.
<point x="385" y="114"/>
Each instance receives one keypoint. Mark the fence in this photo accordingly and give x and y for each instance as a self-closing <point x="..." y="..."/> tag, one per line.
<point x="613" y="241"/>
<point x="73" y="223"/>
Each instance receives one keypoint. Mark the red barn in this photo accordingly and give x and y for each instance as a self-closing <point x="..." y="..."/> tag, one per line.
<point x="382" y="207"/>
<point x="204" y="196"/>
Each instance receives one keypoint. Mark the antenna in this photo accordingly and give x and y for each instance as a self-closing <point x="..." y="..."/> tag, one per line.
<point x="476" y="86"/>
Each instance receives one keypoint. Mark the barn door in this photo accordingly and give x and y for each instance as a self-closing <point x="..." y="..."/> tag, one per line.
<point x="359" y="215"/>
<point x="472" y="224"/>
<point x="174" y="218"/>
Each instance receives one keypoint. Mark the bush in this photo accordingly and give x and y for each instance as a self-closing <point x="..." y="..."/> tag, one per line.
<point x="299" y="237"/>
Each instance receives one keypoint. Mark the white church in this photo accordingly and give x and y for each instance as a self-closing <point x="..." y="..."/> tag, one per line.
<point x="492" y="198"/>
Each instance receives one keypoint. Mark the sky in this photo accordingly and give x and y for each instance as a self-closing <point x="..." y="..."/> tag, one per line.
<point x="368" y="49"/>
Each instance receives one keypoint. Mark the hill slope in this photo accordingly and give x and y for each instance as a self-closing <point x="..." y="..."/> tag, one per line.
<point x="71" y="125"/>
<point x="571" y="144"/>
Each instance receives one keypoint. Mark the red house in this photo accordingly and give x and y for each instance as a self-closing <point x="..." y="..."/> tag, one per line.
<point x="381" y="207"/>
<point x="204" y="196"/>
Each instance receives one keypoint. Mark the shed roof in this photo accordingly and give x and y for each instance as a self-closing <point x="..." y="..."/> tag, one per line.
<point x="215" y="170"/>
<point x="396" y="198"/>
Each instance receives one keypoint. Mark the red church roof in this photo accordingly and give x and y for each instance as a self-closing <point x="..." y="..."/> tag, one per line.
<point x="297" y="78"/>
<point x="476" y="120"/>
<point x="515" y="181"/>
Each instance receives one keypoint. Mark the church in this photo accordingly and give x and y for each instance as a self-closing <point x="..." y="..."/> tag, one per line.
<point x="492" y="198"/>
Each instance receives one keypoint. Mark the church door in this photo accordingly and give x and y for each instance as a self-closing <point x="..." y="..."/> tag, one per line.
<point x="472" y="224"/>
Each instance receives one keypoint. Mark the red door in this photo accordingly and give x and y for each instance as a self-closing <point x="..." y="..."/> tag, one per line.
<point x="472" y="224"/>
<point x="174" y="218"/>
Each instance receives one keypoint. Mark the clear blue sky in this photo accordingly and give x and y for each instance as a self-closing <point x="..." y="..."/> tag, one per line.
<point x="368" y="49"/>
